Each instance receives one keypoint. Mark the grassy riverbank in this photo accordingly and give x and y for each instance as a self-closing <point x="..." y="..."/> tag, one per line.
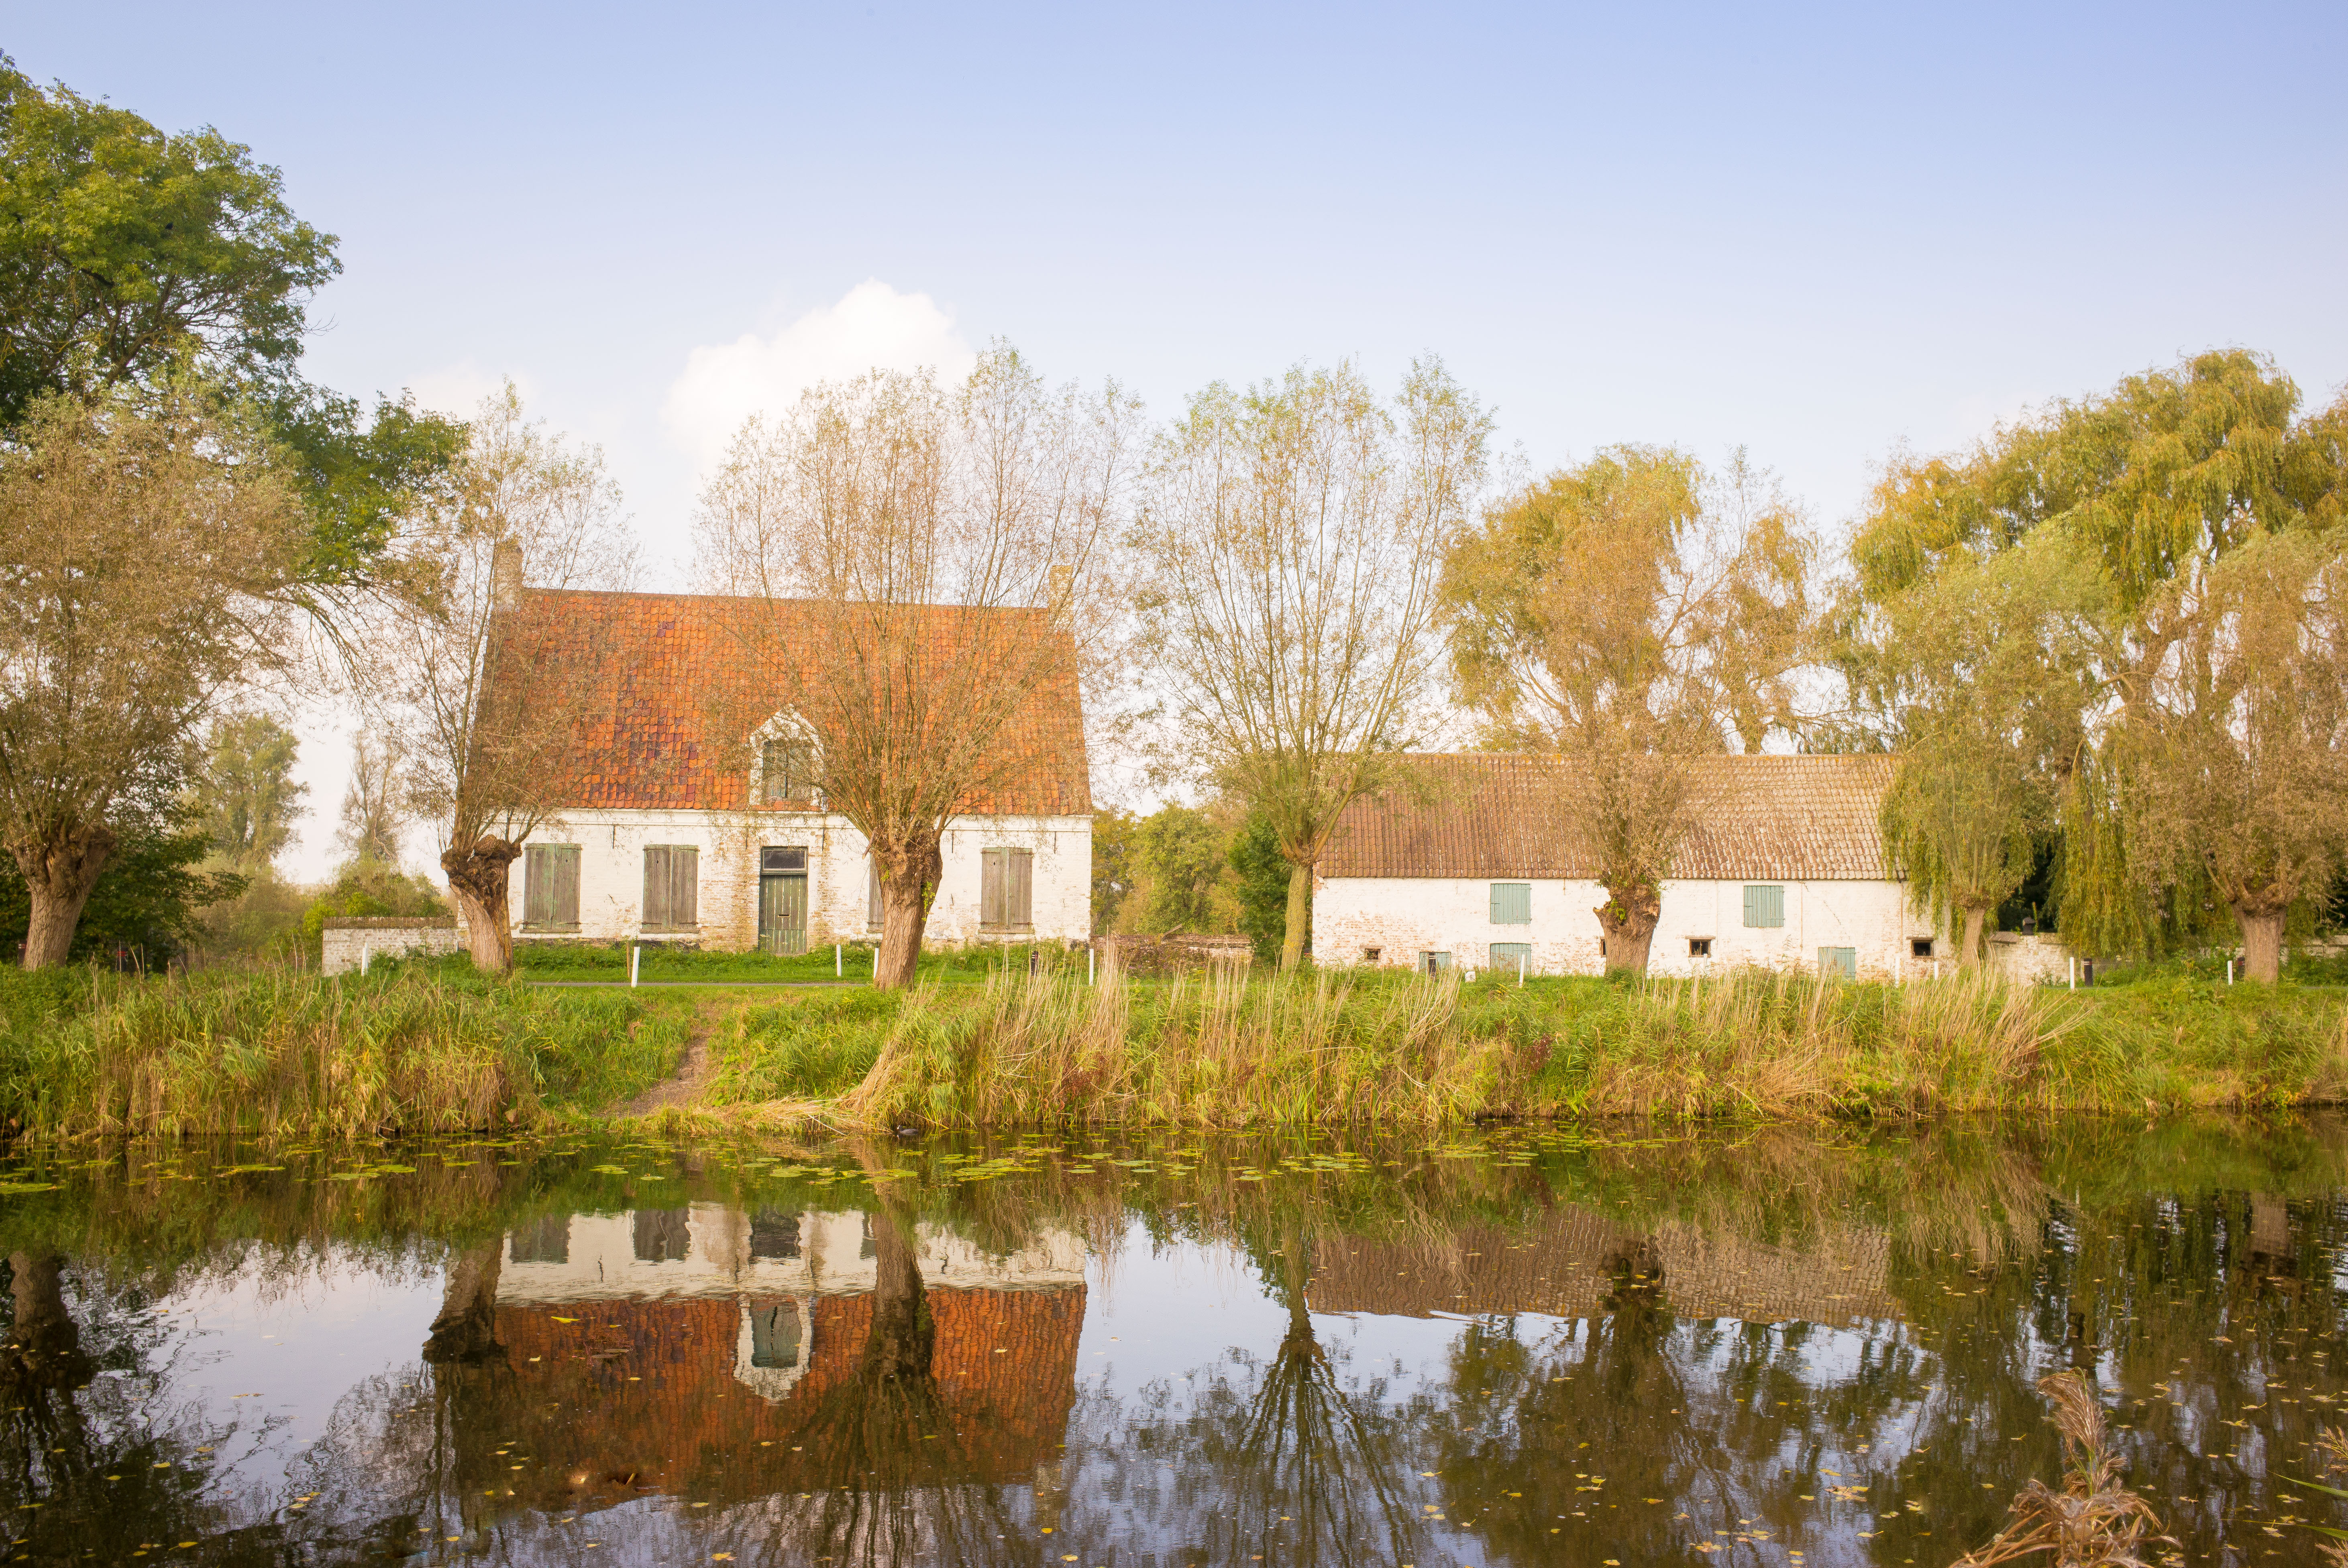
<point x="440" y="1049"/>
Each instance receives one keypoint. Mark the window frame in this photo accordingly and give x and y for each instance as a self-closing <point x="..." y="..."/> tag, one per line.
<point x="1758" y="897"/>
<point x="1511" y="903"/>
<point x="1699" y="947"/>
<point x="1505" y="963"/>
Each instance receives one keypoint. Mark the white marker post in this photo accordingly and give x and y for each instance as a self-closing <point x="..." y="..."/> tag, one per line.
<point x="1089" y="956"/>
<point x="366" y="951"/>
<point x="2074" y="972"/>
<point x="838" y="960"/>
<point x="635" y="954"/>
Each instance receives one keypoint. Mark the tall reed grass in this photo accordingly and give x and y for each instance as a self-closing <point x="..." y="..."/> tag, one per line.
<point x="1224" y="1049"/>
<point x="282" y="1053"/>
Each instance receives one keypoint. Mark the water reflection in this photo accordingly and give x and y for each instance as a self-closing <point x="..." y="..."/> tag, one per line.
<point x="1533" y="1346"/>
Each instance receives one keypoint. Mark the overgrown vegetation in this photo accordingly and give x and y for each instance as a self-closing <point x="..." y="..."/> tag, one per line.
<point x="287" y="1054"/>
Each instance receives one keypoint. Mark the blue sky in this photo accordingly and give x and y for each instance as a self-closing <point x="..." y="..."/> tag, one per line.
<point x="1817" y="232"/>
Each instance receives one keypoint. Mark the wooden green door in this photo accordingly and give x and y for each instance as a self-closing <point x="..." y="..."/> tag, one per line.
<point x="782" y="915"/>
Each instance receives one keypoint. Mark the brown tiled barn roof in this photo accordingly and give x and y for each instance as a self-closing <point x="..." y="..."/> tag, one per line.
<point x="1790" y="819"/>
<point x="674" y="678"/>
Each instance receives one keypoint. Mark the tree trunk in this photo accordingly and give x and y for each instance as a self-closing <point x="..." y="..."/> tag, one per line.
<point x="1628" y="920"/>
<point x="465" y="1331"/>
<point x="480" y="875"/>
<point x="1300" y="918"/>
<point x="902" y="1336"/>
<point x="908" y="880"/>
<point x="2261" y="942"/>
<point x="1969" y="949"/>
<point x="59" y="875"/>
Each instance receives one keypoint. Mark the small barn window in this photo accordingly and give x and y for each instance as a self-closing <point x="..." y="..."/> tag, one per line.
<point x="1919" y="946"/>
<point x="1433" y="963"/>
<point x="1699" y="947"/>
<point x="1510" y="958"/>
<point x="1370" y="955"/>
<point x="550" y="897"/>
<point x="786" y="771"/>
<point x="1007" y="889"/>
<point x="672" y="887"/>
<point x="1512" y="903"/>
<point x="1765" y="906"/>
<point x="1839" y="963"/>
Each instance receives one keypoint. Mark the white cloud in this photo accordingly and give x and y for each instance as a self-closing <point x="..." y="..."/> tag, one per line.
<point x="872" y="327"/>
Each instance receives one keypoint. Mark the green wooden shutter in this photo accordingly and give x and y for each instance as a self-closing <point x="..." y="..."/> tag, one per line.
<point x="538" y="886"/>
<point x="565" y="861"/>
<point x="990" y="889"/>
<point x="684" y="887"/>
<point x="1512" y="903"/>
<point x="1019" y="890"/>
<point x="656" y="879"/>
<point x="1765" y="906"/>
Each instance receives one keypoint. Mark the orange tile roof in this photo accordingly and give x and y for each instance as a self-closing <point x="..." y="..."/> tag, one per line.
<point x="674" y="678"/>
<point x="1789" y="819"/>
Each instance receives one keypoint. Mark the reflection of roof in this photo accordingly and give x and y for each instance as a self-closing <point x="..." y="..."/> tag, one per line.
<point x="1778" y="818"/>
<point x="689" y="676"/>
<point x="1565" y="1262"/>
<point x="692" y="1424"/>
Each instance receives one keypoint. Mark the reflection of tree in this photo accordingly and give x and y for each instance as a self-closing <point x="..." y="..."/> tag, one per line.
<point x="913" y="1490"/>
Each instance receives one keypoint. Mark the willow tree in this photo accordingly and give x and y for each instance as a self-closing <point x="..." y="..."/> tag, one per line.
<point x="1625" y="616"/>
<point x="521" y="508"/>
<point x="1295" y="533"/>
<point x="2144" y="492"/>
<point x="927" y="570"/>
<point x="148" y="548"/>
<point x="2239" y="738"/>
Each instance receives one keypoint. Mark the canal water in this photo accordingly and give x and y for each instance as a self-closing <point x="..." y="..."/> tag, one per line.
<point x="1609" y="1346"/>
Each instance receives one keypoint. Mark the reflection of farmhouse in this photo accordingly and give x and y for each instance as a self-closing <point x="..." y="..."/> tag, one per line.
<point x="683" y="1350"/>
<point x="1569" y="1261"/>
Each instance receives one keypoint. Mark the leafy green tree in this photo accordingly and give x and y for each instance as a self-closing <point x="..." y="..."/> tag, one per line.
<point x="150" y="899"/>
<point x="1622" y="617"/>
<point x="126" y="251"/>
<point x="1262" y="874"/>
<point x="2118" y="512"/>
<point x="1114" y="837"/>
<point x="245" y="797"/>
<point x="1179" y="856"/>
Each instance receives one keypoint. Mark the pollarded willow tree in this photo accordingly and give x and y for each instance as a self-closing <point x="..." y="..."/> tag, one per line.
<point x="1295" y="534"/>
<point x="2137" y="499"/>
<point x="151" y="553"/>
<point x="1623" y="617"/>
<point x="928" y="599"/>
<point x="522" y="508"/>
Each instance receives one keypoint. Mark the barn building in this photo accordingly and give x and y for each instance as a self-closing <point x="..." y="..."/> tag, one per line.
<point x="685" y="813"/>
<point x="1474" y="867"/>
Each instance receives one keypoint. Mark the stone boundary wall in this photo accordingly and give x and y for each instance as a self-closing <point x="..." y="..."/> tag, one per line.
<point x="350" y="941"/>
<point x="1176" y="952"/>
<point x="2029" y="959"/>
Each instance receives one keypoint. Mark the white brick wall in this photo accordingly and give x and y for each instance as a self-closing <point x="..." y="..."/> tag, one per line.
<point x="1403" y="916"/>
<point x="346" y="946"/>
<point x="612" y="846"/>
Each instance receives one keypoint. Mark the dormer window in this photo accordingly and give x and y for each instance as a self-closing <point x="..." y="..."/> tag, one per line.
<point x="786" y="771"/>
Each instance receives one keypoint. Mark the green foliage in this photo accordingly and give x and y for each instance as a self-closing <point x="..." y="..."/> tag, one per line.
<point x="243" y="797"/>
<point x="1115" y="845"/>
<point x="1262" y="874"/>
<point x="1180" y="857"/>
<point x="279" y="1053"/>
<point x="149" y="900"/>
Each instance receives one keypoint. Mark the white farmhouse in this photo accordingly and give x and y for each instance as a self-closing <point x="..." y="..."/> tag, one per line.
<point x="671" y="828"/>
<point x="1475" y="867"/>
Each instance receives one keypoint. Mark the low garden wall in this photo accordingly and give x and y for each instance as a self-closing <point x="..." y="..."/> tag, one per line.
<point x="1175" y="952"/>
<point x="352" y="942"/>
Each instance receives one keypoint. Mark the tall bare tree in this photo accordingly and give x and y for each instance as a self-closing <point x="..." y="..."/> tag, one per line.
<point x="926" y="569"/>
<point x="524" y="508"/>
<point x="1295" y="534"/>
<point x="147" y="547"/>
<point x="374" y="805"/>
<point x="1625" y="616"/>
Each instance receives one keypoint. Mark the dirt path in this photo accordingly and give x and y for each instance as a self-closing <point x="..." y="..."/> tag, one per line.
<point x="693" y="1070"/>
